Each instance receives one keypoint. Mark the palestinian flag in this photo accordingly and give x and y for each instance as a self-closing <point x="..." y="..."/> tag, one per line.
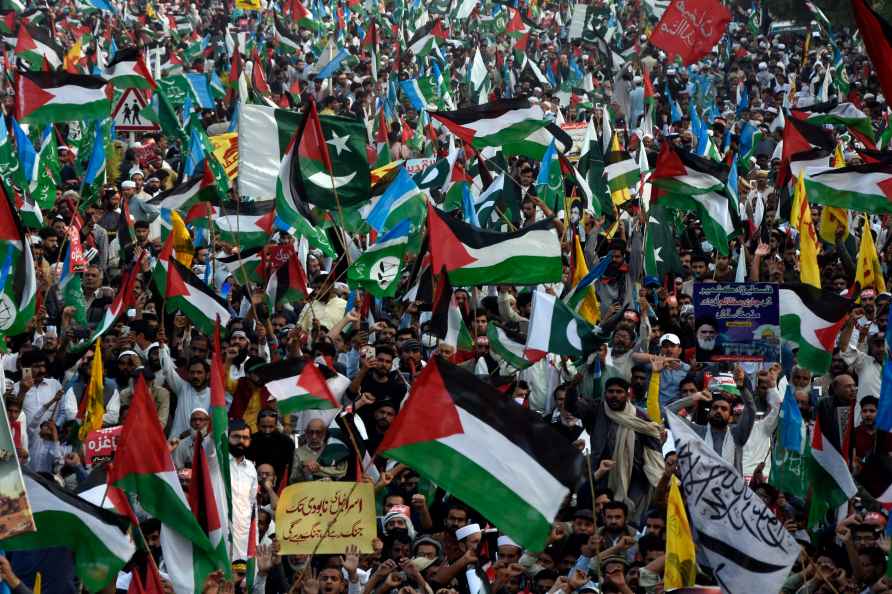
<point x="378" y="269"/>
<point x="36" y="46"/>
<point x="877" y="36"/>
<point x="554" y="328"/>
<point x="864" y="188"/>
<point x="536" y="144"/>
<point x="298" y="225"/>
<point x="143" y="467"/>
<point x="327" y="167"/>
<point x="243" y="266"/>
<point x="500" y="458"/>
<point x="837" y="114"/>
<point x="128" y="69"/>
<point x="43" y="97"/>
<point x="801" y="137"/>
<point x="473" y="256"/>
<point x="200" y="188"/>
<point x="183" y="290"/>
<point x="287" y="284"/>
<point x="98" y="538"/>
<point x="297" y="391"/>
<point x="495" y="123"/>
<point x="208" y="496"/>
<point x="447" y="322"/>
<point x="19" y="292"/>
<point x="245" y="230"/>
<point x="507" y="346"/>
<point x="693" y="183"/>
<point x="286" y="41"/>
<point x="812" y="318"/>
<point x="829" y="472"/>
<point x="425" y="39"/>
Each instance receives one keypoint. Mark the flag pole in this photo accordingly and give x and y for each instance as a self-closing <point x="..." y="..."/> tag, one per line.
<point x="591" y="486"/>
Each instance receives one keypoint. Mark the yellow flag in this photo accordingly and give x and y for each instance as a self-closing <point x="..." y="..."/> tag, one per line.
<point x="586" y="304"/>
<point x="653" y="397"/>
<point x="182" y="240"/>
<point x="248" y="4"/>
<point x="72" y="57"/>
<point x="868" y="272"/>
<point x="94" y="403"/>
<point x="38" y="579"/>
<point x="800" y="218"/>
<point x="833" y="217"/>
<point x="150" y="10"/>
<point x="681" y="561"/>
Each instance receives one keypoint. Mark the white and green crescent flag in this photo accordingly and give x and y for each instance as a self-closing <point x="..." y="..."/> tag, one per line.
<point x="554" y="328"/>
<point x="378" y="269"/>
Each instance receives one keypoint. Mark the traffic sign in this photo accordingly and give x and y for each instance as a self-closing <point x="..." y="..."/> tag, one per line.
<point x="126" y="113"/>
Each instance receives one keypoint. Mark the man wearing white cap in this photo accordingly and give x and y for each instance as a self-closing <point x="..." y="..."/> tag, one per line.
<point x="468" y="538"/>
<point x="668" y="364"/>
<point x="509" y="551"/>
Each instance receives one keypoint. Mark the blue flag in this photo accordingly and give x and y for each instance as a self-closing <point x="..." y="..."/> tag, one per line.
<point x="27" y="154"/>
<point x="884" y="408"/>
<point x="97" y="160"/>
<point x="791" y="423"/>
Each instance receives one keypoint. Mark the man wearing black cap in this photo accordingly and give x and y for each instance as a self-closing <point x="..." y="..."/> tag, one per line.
<point x="626" y="435"/>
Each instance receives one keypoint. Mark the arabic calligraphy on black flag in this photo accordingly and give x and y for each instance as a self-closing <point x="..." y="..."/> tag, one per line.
<point x="737" y="536"/>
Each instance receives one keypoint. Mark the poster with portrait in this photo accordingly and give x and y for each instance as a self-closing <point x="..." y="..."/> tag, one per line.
<point x="736" y="322"/>
<point x="15" y="511"/>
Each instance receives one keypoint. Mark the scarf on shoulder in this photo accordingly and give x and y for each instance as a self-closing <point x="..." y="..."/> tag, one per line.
<point x="628" y="424"/>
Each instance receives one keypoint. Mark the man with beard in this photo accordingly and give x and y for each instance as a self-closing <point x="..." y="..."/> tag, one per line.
<point x="199" y="420"/>
<point x="243" y="486"/>
<point x="726" y="439"/>
<point x="868" y="439"/>
<point x="626" y="435"/>
<point x="706" y="334"/>
<point x="378" y="416"/>
<point x="191" y="394"/>
<point x="42" y="397"/>
<point x="130" y="367"/>
<point x="376" y="380"/>
<point x="305" y="465"/>
<point x="271" y="446"/>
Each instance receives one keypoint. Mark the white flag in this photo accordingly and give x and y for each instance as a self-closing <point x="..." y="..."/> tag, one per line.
<point x="737" y="536"/>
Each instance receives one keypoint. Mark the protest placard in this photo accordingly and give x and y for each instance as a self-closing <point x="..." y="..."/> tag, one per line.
<point x="325" y="517"/>
<point x="102" y="443"/>
<point x="15" y="511"/>
<point x="736" y="322"/>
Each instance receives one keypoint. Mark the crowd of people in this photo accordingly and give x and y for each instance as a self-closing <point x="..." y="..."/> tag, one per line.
<point x="610" y="535"/>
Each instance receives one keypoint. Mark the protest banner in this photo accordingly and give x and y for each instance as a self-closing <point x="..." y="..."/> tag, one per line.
<point x="102" y="443"/>
<point x="736" y="322"/>
<point x="737" y="535"/>
<point x="15" y="510"/>
<point x="325" y="517"/>
<point x="690" y="28"/>
<point x="226" y="152"/>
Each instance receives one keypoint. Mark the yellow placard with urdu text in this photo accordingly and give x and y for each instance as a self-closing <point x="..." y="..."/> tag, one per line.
<point x="226" y="152"/>
<point x="330" y="514"/>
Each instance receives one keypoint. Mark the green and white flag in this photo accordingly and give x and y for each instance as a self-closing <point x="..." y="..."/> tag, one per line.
<point x="554" y="328"/>
<point x="507" y="347"/>
<point x="378" y="269"/>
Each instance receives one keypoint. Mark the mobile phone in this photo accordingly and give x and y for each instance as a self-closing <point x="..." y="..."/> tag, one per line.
<point x="26" y="373"/>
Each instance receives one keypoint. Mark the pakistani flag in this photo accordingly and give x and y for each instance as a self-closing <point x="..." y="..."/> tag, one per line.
<point x="660" y="255"/>
<point x="378" y="269"/>
<point x="269" y="132"/>
<point x="591" y="167"/>
<point x="43" y="185"/>
<point x="554" y="328"/>
<point x="500" y="458"/>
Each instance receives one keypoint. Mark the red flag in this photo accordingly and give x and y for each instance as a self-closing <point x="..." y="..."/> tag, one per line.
<point x="312" y="142"/>
<point x="258" y="77"/>
<point x="690" y="28"/>
<point x="877" y="36"/>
